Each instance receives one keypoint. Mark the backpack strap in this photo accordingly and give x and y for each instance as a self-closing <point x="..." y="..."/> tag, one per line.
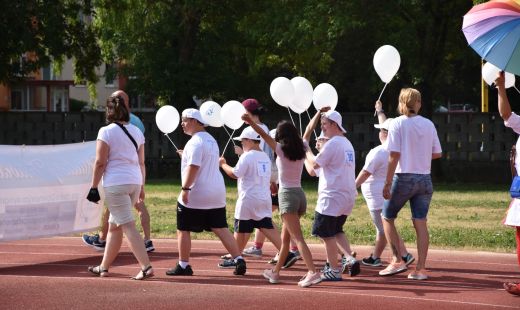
<point x="128" y="134"/>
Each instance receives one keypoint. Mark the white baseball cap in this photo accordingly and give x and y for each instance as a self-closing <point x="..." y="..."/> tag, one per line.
<point x="385" y="125"/>
<point x="336" y="118"/>
<point x="248" y="133"/>
<point x="193" y="113"/>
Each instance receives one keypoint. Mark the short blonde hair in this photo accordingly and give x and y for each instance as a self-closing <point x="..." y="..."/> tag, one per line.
<point x="407" y="99"/>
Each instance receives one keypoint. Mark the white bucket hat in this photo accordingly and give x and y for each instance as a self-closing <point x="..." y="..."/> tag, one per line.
<point x="336" y="118"/>
<point x="385" y="125"/>
<point x="193" y="113"/>
<point x="248" y="133"/>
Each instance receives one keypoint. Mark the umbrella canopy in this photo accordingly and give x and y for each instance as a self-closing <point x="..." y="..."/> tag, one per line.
<point x="492" y="29"/>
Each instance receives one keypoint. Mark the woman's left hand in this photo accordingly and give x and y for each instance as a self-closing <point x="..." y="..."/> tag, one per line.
<point x="386" y="191"/>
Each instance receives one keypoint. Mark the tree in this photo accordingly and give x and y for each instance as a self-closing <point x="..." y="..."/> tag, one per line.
<point x="47" y="31"/>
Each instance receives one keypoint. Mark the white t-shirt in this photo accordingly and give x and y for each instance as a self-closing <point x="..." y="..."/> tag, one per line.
<point x="289" y="171"/>
<point x="337" y="186"/>
<point x="253" y="171"/>
<point x="208" y="191"/>
<point x="415" y="138"/>
<point x="123" y="159"/>
<point x="514" y="123"/>
<point x="376" y="163"/>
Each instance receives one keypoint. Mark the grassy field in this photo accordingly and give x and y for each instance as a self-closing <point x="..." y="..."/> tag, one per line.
<point x="462" y="216"/>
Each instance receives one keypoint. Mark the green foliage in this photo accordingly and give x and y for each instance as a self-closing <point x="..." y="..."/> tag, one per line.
<point x="45" y="30"/>
<point x="76" y="105"/>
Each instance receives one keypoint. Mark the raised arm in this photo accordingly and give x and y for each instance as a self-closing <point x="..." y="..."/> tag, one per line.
<point x="504" y="108"/>
<point x="381" y="117"/>
<point x="310" y="127"/>
<point x="267" y="138"/>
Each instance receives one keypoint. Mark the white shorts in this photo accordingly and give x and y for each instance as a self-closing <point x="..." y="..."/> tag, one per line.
<point x="120" y="200"/>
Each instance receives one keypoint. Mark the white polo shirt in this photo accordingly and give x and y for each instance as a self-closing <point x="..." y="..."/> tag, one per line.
<point x="337" y="186"/>
<point x="253" y="171"/>
<point x="208" y="191"/>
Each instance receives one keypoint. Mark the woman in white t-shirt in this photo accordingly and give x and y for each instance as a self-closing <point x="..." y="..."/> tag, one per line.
<point x="290" y="152"/>
<point x="120" y="163"/>
<point x="412" y="143"/>
<point x="253" y="207"/>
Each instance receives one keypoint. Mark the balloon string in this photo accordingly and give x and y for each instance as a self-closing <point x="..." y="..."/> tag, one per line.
<point x="309" y="116"/>
<point x="225" y="147"/>
<point x="232" y="141"/>
<point x="300" y="117"/>
<point x="381" y="94"/>
<point x="289" y="110"/>
<point x="516" y="89"/>
<point x="171" y="141"/>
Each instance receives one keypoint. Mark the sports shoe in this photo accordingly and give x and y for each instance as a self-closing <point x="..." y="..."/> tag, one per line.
<point x="227" y="263"/>
<point x="512" y="288"/>
<point x="310" y="279"/>
<point x="297" y="254"/>
<point x="408" y="259"/>
<point x="325" y="267"/>
<point x="331" y="275"/>
<point x="240" y="267"/>
<point x="393" y="268"/>
<point x="274" y="260"/>
<point x="148" y="244"/>
<point x="226" y="256"/>
<point x="371" y="261"/>
<point x="252" y="251"/>
<point x="271" y="276"/>
<point x="418" y="275"/>
<point x="290" y="260"/>
<point x="94" y="242"/>
<point x="351" y="267"/>
<point x="179" y="271"/>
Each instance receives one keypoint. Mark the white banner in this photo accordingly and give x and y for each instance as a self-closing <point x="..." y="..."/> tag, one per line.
<point x="43" y="190"/>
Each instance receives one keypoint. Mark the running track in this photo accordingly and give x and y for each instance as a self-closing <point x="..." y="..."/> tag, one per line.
<point x="52" y="274"/>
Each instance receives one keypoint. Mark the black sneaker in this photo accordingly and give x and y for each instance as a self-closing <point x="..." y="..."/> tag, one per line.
<point x="371" y="261"/>
<point x="408" y="259"/>
<point x="179" y="271"/>
<point x="227" y="263"/>
<point x="290" y="260"/>
<point x="354" y="268"/>
<point x="94" y="242"/>
<point x="148" y="244"/>
<point x="240" y="267"/>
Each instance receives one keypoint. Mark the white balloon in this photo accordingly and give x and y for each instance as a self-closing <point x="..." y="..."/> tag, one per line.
<point x="302" y="94"/>
<point x="231" y="114"/>
<point x="282" y="91"/>
<point x="210" y="112"/>
<point x="167" y="119"/>
<point x="490" y="72"/>
<point x="325" y="95"/>
<point x="386" y="62"/>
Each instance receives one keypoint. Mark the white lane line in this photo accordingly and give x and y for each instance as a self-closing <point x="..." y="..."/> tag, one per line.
<point x="317" y="292"/>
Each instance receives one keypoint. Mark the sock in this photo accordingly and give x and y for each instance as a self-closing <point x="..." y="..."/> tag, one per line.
<point x="258" y="245"/>
<point x="183" y="264"/>
<point x="294" y="249"/>
<point x="238" y="257"/>
<point x="350" y="258"/>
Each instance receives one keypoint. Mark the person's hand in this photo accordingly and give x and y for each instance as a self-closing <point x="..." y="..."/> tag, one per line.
<point x="386" y="191"/>
<point x="93" y="195"/>
<point x="324" y="109"/>
<point x="184" y="196"/>
<point x="500" y="81"/>
<point x="238" y="150"/>
<point x="378" y="106"/>
<point x="274" y="188"/>
<point x="180" y="153"/>
<point x="141" y="194"/>
<point x="222" y="161"/>
<point x="247" y="118"/>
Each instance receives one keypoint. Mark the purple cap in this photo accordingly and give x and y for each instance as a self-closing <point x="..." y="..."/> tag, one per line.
<point x="251" y="104"/>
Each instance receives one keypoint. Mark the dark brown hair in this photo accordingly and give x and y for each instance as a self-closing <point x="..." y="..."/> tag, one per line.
<point x="116" y="110"/>
<point x="291" y="142"/>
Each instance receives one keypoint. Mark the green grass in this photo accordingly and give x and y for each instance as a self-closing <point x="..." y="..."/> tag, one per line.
<point x="462" y="216"/>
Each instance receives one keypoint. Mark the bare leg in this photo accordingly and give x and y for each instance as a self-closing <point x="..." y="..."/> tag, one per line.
<point x="227" y="240"/>
<point x="259" y="238"/>
<point x="381" y="244"/>
<point x="273" y="235"/>
<point x="114" y="241"/>
<point x="241" y="239"/>
<point x="393" y="238"/>
<point x="331" y="248"/>
<point x="292" y="222"/>
<point x="104" y="224"/>
<point x="184" y="240"/>
<point x="423" y="241"/>
<point x="136" y="243"/>
<point x="284" y="249"/>
<point x="144" y="216"/>
<point x="342" y="244"/>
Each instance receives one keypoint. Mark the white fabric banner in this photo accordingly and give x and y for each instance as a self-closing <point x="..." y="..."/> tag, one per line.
<point x="43" y="190"/>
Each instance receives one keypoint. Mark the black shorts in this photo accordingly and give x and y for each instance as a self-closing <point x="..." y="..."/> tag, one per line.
<point x="247" y="226"/>
<point x="198" y="220"/>
<point x="326" y="226"/>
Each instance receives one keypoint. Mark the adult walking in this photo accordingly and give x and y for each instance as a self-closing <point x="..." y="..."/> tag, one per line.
<point x="201" y="204"/>
<point x="120" y="164"/>
<point x="511" y="120"/>
<point x="412" y="143"/>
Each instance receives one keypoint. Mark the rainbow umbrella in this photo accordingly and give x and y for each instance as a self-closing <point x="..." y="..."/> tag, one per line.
<point x="492" y="29"/>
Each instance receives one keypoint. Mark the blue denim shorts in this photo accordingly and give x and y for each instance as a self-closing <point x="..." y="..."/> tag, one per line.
<point x="416" y="188"/>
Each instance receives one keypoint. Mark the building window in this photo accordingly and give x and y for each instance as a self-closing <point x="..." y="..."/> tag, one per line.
<point x="110" y="75"/>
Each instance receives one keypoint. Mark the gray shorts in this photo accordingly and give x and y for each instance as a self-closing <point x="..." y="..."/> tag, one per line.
<point x="292" y="200"/>
<point x="120" y="201"/>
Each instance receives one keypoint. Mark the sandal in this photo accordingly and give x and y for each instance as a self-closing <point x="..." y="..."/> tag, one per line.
<point x="144" y="274"/>
<point x="97" y="270"/>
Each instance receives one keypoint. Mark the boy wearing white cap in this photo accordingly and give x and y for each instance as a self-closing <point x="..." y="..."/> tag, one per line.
<point x="253" y="207"/>
<point x="336" y="192"/>
<point x="371" y="178"/>
<point x="202" y="202"/>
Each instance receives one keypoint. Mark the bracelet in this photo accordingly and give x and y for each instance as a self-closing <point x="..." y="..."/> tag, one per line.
<point x="380" y="111"/>
<point x="186" y="188"/>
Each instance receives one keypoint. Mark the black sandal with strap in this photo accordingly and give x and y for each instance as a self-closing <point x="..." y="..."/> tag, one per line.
<point x="97" y="270"/>
<point x="144" y="274"/>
